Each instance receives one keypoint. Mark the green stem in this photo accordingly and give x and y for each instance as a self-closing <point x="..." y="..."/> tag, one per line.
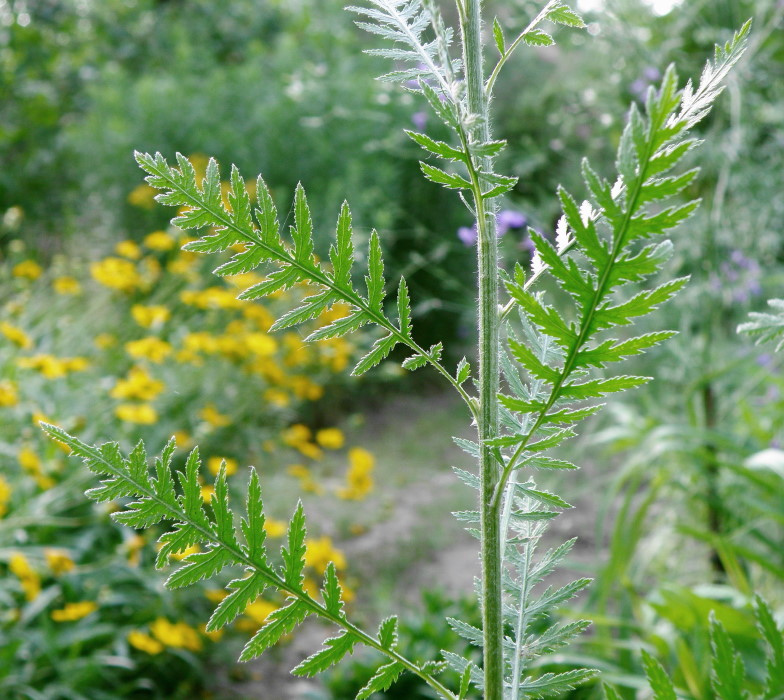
<point x="492" y="621"/>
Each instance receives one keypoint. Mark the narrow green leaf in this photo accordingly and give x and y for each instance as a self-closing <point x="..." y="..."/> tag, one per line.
<point x="562" y="14"/>
<point x="498" y="35"/>
<point x="660" y="682"/>
<point x="439" y="148"/>
<point x="383" y="678"/>
<point x="596" y="388"/>
<point x="729" y="676"/>
<point x="294" y="555"/>
<point x="381" y="348"/>
<point x="280" y="622"/>
<point x="463" y="371"/>
<point x="302" y="231"/>
<point x="403" y="309"/>
<point x="375" y="276"/>
<point x="451" y="180"/>
<point x="387" y="632"/>
<point x="332" y="593"/>
<point x="536" y="37"/>
<point x="334" y="650"/>
<point x="243" y="592"/>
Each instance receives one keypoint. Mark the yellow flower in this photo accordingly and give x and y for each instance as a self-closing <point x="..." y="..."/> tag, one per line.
<point x="183" y="439"/>
<point x="150" y="348"/>
<point x="296" y="434"/>
<point x="274" y="528"/>
<point x="5" y="495"/>
<point x="144" y="642"/>
<point x="261" y="344"/>
<point x="276" y="397"/>
<point x="48" y="365"/>
<point x="214" y="465"/>
<point x="8" y="394"/>
<point x="116" y="273"/>
<point x="103" y="341"/>
<point x="76" y="364"/>
<point x="142" y="196"/>
<point x="128" y="249"/>
<point x="358" y="478"/>
<point x="29" y="461"/>
<point x="141" y="413"/>
<point x="330" y="438"/>
<point x="305" y="388"/>
<point x="211" y="415"/>
<point x="28" y="578"/>
<point x="206" y="493"/>
<point x="28" y="269"/>
<point x="160" y="241"/>
<point x="134" y="547"/>
<point x="147" y="316"/>
<point x="259" y="314"/>
<point x="319" y="552"/>
<point x="66" y="285"/>
<point x="178" y="635"/>
<point x="16" y="335"/>
<point x="137" y="386"/>
<point x="74" y="611"/>
<point x="59" y="561"/>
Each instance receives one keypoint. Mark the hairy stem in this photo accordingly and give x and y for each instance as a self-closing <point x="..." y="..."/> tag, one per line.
<point x="488" y="365"/>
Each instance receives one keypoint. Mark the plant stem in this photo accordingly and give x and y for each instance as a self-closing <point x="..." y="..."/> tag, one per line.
<point x="488" y="364"/>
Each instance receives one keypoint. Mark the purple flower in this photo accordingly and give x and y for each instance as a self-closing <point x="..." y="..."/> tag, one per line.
<point x="419" y="120"/>
<point x="765" y="359"/>
<point x="651" y="74"/>
<point x="508" y="219"/>
<point x="467" y="235"/>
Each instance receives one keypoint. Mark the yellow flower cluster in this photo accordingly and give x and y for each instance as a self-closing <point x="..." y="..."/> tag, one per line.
<point x="150" y="348"/>
<point x="116" y="273"/>
<point x="31" y="463"/>
<point x="178" y="635"/>
<point x="142" y="413"/>
<point x="27" y="269"/>
<point x="58" y="561"/>
<point x="28" y="578"/>
<point x="214" y="465"/>
<point x="359" y="482"/>
<point x="53" y="367"/>
<point x="319" y="552"/>
<point x="16" y="335"/>
<point x="66" y="285"/>
<point x="5" y="495"/>
<point x="9" y="396"/>
<point x="150" y="316"/>
<point x="74" y="611"/>
<point x="138" y="385"/>
<point x="159" y="241"/>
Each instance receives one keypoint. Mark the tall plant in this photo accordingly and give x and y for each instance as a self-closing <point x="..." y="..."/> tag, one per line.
<point x="534" y="380"/>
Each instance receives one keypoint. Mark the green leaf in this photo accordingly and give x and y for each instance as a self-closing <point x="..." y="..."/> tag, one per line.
<point x="280" y="622"/>
<point x="414" y="362"/>
<point x="660" y="682"/>
<point x="332" y="592"/>
<point x="200" y="566"/>
<point x="375" y="276"/>
<point x="438" y="148"/>
<point x="403" y="309"/>
<point x="551" y="684"/>
<point x="334" y="650"/>
<point x="498" y="35"/>
<point x="566" y="16"/>
<point x="536" y="37"/>
<point x="294" y="555"/>
<point x="611" y="351"/>
<point x="601" y="387"/>
<point x="451" y="180"/>
<point x="383" y="678"/>
<point x="244" y="591"/>
<point x="253" y="524"/>
<point x="341" y="253"/>
<point x="528" y="359"/>
<point x="775" y="640"/>
<point x="302" y="231"/>
<point x="729" y="676"/>
<point x="463" y="371"/>
<point x="381" y="348"/>
<point x="387" y="632"/>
